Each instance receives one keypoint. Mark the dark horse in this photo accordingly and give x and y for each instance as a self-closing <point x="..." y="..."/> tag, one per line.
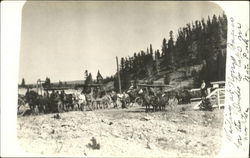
<point x="36" y="102"/>
<point x="68" y="102"/>
<point x="148" y="100"/>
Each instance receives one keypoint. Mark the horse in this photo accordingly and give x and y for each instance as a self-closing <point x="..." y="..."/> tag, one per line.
<point x="107" y="101"/>
<point x="37" y="103"/>
<point x="133" y="97"/>
<point x="68" y="102"/>
<point x="90" y="100"/>
<point x="104" y="101"/>
<point x="32" y="99"/>
<point x="43" y="104"/>
<point x="148" y="100"/>
<point x="114" y="98"/>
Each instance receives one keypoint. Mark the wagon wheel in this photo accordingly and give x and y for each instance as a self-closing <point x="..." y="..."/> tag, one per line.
<point x="139" y="101"/>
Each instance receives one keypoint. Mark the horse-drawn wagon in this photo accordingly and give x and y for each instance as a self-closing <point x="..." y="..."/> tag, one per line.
<point x="159" y="96"/>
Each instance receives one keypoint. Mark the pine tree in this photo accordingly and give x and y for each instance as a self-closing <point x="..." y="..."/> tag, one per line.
<point x="199" y="42"/>
<point x="86" y="74"/>
<point x="23" y="83"/>
<point x="60" y="83"/>
<point x="47" y="83"/>
<point x="151" y="49"/>
<point x="164" y="47"/>
<point x="170" y="55"/>
<point x="99" y="77"/>
<point x="90" y="78"/>
<point x="122" y="67"/>
<point x="157" y="61"/>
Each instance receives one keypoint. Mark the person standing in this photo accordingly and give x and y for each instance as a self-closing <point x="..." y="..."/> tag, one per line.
<point x="203" y="90"/>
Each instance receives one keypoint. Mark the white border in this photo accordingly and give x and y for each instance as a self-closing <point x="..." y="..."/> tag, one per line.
<point x="10" y="46"/>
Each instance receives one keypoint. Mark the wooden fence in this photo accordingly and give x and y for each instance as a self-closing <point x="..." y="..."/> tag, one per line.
<point x="216" y="97"/>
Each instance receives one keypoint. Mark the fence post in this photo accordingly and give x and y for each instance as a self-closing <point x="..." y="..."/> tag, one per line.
<point x="218" y="97"/>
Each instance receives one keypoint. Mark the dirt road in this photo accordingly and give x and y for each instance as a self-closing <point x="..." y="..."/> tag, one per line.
<point x="124" y="132"/>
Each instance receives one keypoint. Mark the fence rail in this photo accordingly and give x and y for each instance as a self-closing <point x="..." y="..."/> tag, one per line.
<point x="217" y="98"/>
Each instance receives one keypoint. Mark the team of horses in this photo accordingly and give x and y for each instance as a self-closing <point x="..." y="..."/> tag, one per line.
<point x="78" y="101"/>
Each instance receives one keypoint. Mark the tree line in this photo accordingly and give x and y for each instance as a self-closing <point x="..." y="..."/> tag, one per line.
<point x="200" y="42"/>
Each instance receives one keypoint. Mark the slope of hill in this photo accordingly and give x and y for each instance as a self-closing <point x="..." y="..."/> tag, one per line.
<point x="198" y="53"/>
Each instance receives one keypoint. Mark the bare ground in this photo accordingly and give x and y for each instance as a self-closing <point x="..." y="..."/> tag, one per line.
<point x="124" y="132"/>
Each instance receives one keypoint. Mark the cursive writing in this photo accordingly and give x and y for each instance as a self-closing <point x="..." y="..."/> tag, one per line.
<point x="236" y="109"/>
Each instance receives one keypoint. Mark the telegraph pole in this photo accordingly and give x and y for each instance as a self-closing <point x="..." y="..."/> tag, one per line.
<point x="118" y="74"/>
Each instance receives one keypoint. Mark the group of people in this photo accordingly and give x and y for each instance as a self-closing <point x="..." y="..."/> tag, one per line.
<point x="49" y="101"/>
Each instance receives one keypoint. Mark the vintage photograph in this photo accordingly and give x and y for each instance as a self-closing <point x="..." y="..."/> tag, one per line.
<point x="122" y="78"/>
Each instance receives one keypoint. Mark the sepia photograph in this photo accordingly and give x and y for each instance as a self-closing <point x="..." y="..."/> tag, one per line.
<point x="122" y="78"/>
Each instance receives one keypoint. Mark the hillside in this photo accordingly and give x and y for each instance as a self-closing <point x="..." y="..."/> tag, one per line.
<point x="197" y="53"/>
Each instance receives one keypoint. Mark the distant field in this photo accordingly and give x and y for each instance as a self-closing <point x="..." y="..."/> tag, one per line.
<point x="124" y="132"/>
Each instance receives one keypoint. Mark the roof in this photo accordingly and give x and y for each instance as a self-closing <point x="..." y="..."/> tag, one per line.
<point x="90" y="85"/>
<point x="218" y="82"/>
<point x="154" y="85"/>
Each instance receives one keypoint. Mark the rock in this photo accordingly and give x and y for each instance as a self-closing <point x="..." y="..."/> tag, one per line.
<point x="203" y="144"/>
<point x="187" y="142"/>
<point x="57" y="116"/>
<point x="145" y="119"/>
<point x="110" y="123"/>
<point x="183" y="109"/>
<point x="175" y="120"/>
<point x="182" y="130"/>
<point x="52" y="132"/>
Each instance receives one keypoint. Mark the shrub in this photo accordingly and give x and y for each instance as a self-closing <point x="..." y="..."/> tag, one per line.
<point x="206" y="105"/>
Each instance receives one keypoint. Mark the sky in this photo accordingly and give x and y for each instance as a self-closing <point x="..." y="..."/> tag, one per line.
<point x="61" y="40"/>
